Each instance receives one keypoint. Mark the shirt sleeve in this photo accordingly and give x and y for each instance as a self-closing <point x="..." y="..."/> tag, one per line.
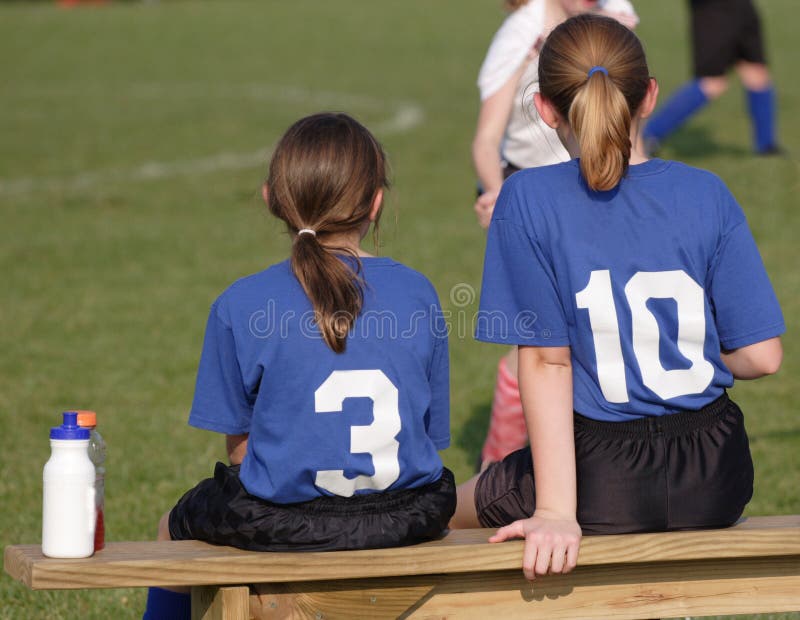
<point x="745" y="306"/>
<point x="509" y="48"/>
<point x="519" y="303"/>
<point x="221" y="401"/>
<point x="438" y="418"/>
<point x="621" y="9"/>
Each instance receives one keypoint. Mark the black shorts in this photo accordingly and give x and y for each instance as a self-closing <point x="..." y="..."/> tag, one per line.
<point x="508" y="170"/>
<point x="724" y="32"/>
<point x="685" y="470"/>
<point x="220" y="511"/>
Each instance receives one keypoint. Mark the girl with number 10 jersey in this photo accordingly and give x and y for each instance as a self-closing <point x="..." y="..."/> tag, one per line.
<point x="644" y="296"/>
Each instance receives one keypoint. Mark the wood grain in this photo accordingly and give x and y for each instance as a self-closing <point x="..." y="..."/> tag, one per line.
<point x="625" y="592"/>
<point x="365" y="598"/>
<point x="649" y="590"/>
<point x="225" y="603"/>
<point x="189" y="563"/>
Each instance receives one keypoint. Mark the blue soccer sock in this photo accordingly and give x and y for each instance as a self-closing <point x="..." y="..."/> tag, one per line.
<point x="167" y="605"/>
<point x="685" y="102"/>
<point x="761" y="104"/>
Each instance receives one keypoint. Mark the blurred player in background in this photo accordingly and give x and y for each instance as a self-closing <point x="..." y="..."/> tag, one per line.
<point x="725" y="34"/>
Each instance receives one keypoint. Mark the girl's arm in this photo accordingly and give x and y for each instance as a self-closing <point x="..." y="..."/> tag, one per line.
<point x="755" y="360"/>
<point x="621" y="10"/>
<point x="552" y="535"/>
<point x="492" y="121"/>
<point x="237" y="447"/>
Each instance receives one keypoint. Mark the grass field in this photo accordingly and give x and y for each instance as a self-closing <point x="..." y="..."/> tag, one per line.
<point x="133" y="141"/>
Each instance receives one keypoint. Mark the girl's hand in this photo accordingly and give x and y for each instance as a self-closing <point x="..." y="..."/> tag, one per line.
<point x="484" y="206"/>
<point x="551" y="542"/>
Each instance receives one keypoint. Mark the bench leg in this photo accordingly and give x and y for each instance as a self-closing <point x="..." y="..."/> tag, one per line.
<point x="220" y="603"/>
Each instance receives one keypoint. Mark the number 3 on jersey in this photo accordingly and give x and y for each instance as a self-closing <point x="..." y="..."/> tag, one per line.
<point x="376" y="439"/>
<point x="598" y="299"/>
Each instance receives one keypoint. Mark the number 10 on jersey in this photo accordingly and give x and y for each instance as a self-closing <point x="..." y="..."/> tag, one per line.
<point x="598" y="299"/>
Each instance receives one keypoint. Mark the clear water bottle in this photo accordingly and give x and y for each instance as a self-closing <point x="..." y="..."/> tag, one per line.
<point x="68" y="510"/>
<point x="97" y="455"/>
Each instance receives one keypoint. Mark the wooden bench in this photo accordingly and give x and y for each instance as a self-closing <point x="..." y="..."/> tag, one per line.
<point x="752" y="567"/>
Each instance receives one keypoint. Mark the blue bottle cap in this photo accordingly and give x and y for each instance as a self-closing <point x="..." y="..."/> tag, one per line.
<point x="69" y="429"/>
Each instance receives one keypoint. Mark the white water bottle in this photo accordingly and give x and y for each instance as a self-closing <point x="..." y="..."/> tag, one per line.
<point x="68" y="511"/>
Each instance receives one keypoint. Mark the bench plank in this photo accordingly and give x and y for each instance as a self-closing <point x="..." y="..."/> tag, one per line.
<point x="650" y="590"/>
<point x="191" y="563"/>
<point x="361" y="598"/>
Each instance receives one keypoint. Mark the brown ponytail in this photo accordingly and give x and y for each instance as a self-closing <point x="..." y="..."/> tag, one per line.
<point x="324" y="176"/>
<point x="598" y="107"/>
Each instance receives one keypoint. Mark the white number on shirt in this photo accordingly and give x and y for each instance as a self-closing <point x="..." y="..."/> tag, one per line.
<point x="598" y="299"/>
<point x="376" y="439"/>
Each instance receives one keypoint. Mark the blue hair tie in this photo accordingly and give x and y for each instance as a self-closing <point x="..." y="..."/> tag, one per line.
<point x="594" y="70"/>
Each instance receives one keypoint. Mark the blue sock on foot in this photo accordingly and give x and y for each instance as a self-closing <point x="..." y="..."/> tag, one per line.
<point x="167" y="605"/>
<point x="761" y="104"/>
<point x="685" y="102"/>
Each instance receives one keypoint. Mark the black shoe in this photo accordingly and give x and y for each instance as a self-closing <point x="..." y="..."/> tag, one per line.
<point x="773" y="151"/>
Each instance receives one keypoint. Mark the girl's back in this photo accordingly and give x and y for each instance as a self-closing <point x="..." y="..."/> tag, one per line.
<point x="642" y="281"/>
<point x="377" y="412"/>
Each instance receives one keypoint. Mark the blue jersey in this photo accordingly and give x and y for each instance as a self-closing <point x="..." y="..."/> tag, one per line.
<point x="645" y="283"/>
<point x="321" y="423"/>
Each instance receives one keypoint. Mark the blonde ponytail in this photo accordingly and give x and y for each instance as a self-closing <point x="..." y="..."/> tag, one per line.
<point x="601" y="120"/>
<point x="594" y="71"/>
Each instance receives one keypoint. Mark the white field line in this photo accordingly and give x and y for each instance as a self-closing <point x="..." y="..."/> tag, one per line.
<point x="404" y="117"/>
<point x="148" y="171"/>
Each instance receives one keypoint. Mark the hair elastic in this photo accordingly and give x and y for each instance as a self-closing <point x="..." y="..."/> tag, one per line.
<point x="595" y="69"/>
<point x="307" y="231"/>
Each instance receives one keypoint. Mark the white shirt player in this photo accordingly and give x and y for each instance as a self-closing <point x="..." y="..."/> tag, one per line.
<point x="528" y="142"/>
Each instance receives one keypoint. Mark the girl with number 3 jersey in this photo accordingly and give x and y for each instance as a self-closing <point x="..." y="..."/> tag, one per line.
<point x="328" y="373"/>
<point x="636" y="294"/>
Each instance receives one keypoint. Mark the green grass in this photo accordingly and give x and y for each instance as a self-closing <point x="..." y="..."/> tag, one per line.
<point x="116" y="234"/>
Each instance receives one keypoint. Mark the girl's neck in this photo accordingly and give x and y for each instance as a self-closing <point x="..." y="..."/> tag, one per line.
<point x="349" y="241"/>
<point x="638" y="153"/>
